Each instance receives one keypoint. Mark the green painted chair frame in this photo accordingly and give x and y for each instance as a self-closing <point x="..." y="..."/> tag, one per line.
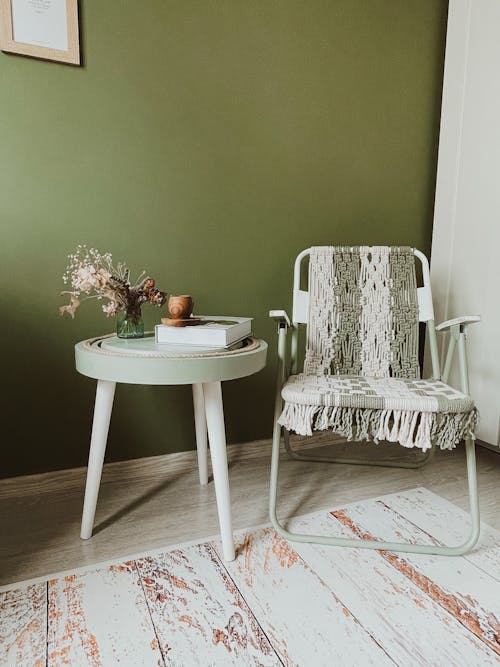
<point x="458" y="337"/>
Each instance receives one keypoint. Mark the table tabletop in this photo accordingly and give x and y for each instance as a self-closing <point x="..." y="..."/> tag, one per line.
<point x="148" y="347"/>
<point x="143" y="361"/>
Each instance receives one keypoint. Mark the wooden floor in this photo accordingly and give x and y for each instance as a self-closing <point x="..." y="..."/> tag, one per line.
<point x="152" y="503"/>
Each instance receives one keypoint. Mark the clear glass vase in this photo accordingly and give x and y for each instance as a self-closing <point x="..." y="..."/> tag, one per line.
<point x="129" y="323"/>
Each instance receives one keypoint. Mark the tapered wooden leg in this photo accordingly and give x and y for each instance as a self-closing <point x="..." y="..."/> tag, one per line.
<point x="217" y="438"/>
<point x="200" y="424"/>
<point x="102" y="414"/>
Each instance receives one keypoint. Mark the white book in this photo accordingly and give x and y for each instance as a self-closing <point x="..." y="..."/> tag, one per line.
<point x="216" y="331"/>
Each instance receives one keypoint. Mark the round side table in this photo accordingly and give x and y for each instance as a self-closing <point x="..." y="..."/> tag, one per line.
<point x="109" y="360"/>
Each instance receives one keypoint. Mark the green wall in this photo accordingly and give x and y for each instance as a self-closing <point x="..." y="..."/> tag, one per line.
<point x="209" y="142"/>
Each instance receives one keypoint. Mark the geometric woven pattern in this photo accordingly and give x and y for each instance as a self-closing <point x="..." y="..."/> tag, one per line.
<point x="363" y="312"/>
<point x="415" y="413"/>
<point x="375" y="393"/>
<point x="361" y="374"/>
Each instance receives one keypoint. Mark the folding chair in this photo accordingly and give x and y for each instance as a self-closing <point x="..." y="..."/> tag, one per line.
<point x="361" y="375"/>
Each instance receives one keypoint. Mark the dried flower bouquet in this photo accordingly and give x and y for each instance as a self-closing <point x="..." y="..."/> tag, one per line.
<point x="92" y="275"/>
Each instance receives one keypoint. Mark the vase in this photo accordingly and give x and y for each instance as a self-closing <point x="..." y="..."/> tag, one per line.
<point x="129" y="323"/>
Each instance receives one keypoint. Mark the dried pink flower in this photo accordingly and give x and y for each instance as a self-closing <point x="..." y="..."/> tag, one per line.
<point x="88" y="278"/>
<point x="71" y="307"/>
<point x="110" y="308"/>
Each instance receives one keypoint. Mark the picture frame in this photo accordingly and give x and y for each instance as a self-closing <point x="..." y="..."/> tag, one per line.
<point x="46" y="29"/>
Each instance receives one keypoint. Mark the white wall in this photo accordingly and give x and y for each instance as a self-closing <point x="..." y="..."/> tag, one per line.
<point x="465" y="260"/>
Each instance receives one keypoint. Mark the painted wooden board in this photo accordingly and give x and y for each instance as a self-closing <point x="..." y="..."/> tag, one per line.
<point x="199" y="614"/>
<point x="100" y="618"/>
<point x="278" y="603"/>
<point x="23" y="621"/>
<point x="455" y="584"/>
<point x="306" y="621"/>
<point x="411" y="627"/>
<point x="447" y="523"/>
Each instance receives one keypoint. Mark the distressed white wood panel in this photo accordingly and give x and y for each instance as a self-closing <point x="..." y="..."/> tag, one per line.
<point x="199" y="615"/>
<point x="447" y="523"/>
<point x="465" y="592"/>
<point x="100" y="618"/>
<point x="411" y="627"/>
<point x="23" y="623"/>
<point x="306" y="621"/>
<point x="299" y="604"/>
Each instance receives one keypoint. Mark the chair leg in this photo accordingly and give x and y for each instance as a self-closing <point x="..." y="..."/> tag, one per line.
<point x="359" y="462"/>
<point x="379" y="544"/>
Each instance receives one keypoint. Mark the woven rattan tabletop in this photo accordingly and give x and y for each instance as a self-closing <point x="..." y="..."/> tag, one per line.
<point x="143" y="361"/>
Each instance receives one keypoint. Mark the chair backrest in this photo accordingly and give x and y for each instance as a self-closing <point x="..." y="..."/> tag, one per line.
<point x="362" y="308"/>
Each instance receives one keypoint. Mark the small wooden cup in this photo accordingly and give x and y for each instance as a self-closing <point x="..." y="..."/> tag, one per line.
<point x="180" y="307"/>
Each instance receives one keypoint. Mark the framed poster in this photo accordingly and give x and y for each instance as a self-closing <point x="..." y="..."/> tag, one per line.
<point x="45" y="29"/>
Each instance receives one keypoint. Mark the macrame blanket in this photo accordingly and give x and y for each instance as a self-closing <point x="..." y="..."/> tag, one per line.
<point x="361" y="371"/>
<point x="415" y="413"/>
<point x="363" y="312"/>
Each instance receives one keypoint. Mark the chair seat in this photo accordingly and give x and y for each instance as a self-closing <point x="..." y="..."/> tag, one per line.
<point x="415" y="413"/>
<point x="375" y="393"/>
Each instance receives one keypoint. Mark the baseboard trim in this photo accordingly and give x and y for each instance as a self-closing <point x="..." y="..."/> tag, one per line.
<point x="487" y="445"/>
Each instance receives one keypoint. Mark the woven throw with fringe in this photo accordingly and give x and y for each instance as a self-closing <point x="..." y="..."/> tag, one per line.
<point x="361" y="371"/>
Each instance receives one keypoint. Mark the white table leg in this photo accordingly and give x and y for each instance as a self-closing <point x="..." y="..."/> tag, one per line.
<point x="102" y="414"/>
<point x="217" y="438"/>
<point x="200" y="424"/>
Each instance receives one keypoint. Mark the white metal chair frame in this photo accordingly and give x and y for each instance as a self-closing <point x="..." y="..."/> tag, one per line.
<point x="458" y="336"/>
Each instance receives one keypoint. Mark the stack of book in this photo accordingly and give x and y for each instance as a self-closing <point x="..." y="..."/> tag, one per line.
<point x="214" y="331"/>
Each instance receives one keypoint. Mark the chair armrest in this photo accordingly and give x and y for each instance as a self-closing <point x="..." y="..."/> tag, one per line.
<point x="458" y="336"/>
<point x="464" y="320"/>
<point x="281" y="317"/>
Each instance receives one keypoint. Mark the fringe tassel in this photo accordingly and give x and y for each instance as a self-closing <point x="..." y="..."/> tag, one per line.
<point x="408" y="428"/>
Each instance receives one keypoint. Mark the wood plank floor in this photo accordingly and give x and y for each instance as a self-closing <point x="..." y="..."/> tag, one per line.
<point x="152" y="503"/>
<point x="299" y="605"/>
